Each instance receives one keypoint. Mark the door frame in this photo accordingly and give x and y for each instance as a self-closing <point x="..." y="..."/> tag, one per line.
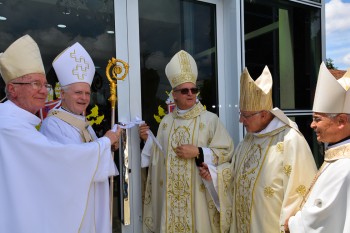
<point x="129" y="90"/>
<point x="129" y="100"/>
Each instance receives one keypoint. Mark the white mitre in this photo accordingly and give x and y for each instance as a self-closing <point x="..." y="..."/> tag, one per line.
<point x="20" y="58"/>
<point x="256" y="95"/>
<point x="182" y="68"/>
<point x="74" y="65"/>
<point x="331" y="95"/>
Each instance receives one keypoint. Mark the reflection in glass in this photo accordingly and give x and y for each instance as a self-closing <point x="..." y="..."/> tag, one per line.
<point x="317" y="148"/>
<point x="165" y="28"/>
<point x="286" y="37"/>
<point x="86" y="22"/>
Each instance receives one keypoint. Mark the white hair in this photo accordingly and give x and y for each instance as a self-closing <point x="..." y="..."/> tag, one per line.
<point x="334" y="115"/>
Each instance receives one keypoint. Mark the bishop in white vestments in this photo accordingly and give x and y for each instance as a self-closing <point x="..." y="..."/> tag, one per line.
<point x="44" y="184"/>
<point x="326" y="207"/>
<point x="68" y="125"/>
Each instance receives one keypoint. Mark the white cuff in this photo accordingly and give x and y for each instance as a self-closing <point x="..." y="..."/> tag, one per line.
<point x="146" y="152"/>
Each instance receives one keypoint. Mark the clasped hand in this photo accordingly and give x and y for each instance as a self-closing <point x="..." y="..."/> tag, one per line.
<point x="187" y="151"/>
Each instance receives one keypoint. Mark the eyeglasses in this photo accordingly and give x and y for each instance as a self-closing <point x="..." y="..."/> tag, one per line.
<point x="36" y="85"/>
<point x="246" y="116"/>
<point x="185" y="91"/>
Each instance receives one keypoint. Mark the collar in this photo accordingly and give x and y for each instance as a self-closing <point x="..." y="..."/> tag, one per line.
<point x="273" y="125"/>
<point x="77" y="116"/>
<point x="339" y="143"/>
<point x="191" y="113"/>
<point x="338" y="151"/>
<point x="18" y="112"/>
<point x="180" y="111"/>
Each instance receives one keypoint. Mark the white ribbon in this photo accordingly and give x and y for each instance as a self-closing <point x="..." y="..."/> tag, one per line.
<point x="136" y="122"/>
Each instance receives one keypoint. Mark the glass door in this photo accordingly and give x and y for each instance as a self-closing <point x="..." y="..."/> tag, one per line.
<point x="143" y="33"/>
<point x="57" y="24"/>
<point x="178" y="24"/>
<point x="155" y="30"/>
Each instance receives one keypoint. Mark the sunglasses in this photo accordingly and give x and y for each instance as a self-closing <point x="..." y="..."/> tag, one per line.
<point x="185" y="91"/>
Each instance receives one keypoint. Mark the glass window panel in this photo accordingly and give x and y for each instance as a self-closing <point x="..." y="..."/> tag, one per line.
<point x="165" y="28"/>
<point x="304" y="122"/>
<point x="85" y="23"/>
<point x="91" y="23"/>
<point x="286" y="36"/>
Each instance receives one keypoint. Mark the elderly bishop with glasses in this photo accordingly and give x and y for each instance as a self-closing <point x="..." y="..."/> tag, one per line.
<point x="45" y="185"/>
<point x="273" y="165"/>
<point x="177" y="199"/>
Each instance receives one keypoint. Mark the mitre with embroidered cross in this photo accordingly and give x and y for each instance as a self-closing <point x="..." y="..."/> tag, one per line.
<point x="74" y="65"/>
<point x="182" y="68"/>
<point x="331" y="95"/>
<point x="20" y="58"/>
<point x="256" y="95"/>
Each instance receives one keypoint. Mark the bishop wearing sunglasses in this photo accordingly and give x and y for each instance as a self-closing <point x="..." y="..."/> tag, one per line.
<point x="191" y="140"/>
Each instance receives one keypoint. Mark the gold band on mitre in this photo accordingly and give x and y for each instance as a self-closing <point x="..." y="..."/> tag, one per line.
<point x="331" y="95"/>
<point x="256" y="95"/>
<point x="182" y="68"/>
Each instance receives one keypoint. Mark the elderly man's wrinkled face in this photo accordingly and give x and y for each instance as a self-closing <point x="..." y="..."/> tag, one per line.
<point x="252" y="121"/>
<point x="76" y="98"/>
<point x="29" y="92"/>
<point x="325" y="127"/>
<point x="185" y="95"/>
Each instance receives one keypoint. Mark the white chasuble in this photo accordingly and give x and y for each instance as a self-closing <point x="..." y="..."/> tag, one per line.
<point x="176" y="199"/>
<point x="44" y="184"/>
<point x="97" y="212"/>
<point x="271" y="172"/>
<point x="327" y="207"/>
